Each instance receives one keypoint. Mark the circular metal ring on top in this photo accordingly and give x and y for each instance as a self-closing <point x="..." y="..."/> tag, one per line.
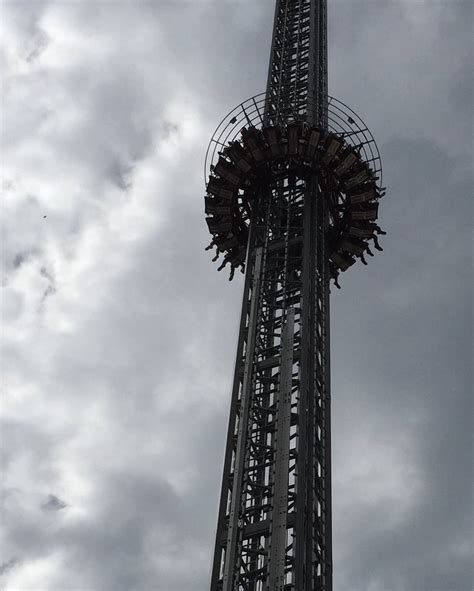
<point x="341" y="120"/>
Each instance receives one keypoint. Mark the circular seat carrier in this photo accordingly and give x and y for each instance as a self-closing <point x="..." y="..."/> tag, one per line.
<point x="343" y="160"/>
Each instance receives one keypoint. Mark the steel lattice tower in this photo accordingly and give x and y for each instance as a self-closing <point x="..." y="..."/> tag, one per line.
<point x="292" y="198"/>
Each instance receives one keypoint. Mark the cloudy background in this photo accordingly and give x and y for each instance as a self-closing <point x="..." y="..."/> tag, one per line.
<point x="119" y="335"/>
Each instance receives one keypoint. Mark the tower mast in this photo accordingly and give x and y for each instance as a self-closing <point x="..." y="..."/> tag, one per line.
<point x="292" y="198"/>
<point x="297" y="85"/>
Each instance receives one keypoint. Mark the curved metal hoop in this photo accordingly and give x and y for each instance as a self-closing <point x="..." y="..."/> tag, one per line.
<point x="342" y="120"/>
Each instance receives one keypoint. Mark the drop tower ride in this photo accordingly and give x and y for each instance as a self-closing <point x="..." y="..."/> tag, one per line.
<point x="293" y="185"/>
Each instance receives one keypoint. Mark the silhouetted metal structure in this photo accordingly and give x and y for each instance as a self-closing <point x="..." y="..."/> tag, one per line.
<point x="292" y="198"/>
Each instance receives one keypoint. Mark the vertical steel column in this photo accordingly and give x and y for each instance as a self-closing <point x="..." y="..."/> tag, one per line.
<point x="277" y="561"/>
<point x="274" y="525"/>
<point x="227" y="478"/>
<point x="242" y="430"/>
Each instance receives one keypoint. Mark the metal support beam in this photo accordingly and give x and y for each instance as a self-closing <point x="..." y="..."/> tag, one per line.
<point x="232" y="531"/>
<point x="279" y="534"/>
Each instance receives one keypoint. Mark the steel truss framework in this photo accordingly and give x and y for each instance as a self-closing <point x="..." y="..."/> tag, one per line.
<point x="297" y="87"/>
<point x="274" y="523"/>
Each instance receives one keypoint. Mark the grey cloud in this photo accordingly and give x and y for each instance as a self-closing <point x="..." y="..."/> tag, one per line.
<point x="22" y="257"/>
<point x="38" y="45"/>
<point x="8" y="565"/>
<point x="122" y="383"/>
<point x="53" y="503"/>
<point x="21" y="234"/>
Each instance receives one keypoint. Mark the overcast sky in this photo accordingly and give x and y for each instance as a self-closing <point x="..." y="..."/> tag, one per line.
<point x="119" y="335"/>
